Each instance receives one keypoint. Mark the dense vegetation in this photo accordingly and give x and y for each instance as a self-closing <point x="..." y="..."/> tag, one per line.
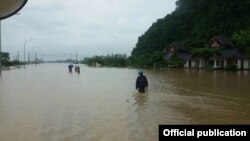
<point x="6" y="59"/>
<point x="113" y="60"/>
<point x="193" y="23"/>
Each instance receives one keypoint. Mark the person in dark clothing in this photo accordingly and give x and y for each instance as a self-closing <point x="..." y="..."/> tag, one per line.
<point x="78" y="69"/>
<point x="141" y="82"/>
<point x="70" y="67"/>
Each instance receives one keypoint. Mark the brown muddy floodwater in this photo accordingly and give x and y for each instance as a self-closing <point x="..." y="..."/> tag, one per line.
<point x="47" y="103"/>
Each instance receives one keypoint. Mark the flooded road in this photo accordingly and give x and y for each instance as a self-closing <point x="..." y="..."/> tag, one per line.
<point x="47" y="103"/>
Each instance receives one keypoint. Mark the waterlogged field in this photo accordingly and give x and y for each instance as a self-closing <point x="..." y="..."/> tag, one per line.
<point x="47" y="103"/>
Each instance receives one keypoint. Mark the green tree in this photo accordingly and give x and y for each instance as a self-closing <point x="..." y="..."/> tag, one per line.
<point x="242" y="41"/>
<point x="5" y="58"/>
<point x="114" y="60"/>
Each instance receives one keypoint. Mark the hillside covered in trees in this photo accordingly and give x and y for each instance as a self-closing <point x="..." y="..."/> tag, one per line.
<point x="194" y="23"/>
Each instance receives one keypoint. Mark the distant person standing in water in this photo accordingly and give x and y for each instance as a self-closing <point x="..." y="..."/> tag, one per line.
<point x="78" y="69"/>
<point x="141" y="82"/>
<point x="70" y="67"/>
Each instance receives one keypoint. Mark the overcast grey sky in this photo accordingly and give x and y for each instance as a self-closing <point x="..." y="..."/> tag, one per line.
<point x="83" y="27"/>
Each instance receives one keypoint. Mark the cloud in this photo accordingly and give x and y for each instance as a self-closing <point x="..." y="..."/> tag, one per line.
<point x="86" y="27"/>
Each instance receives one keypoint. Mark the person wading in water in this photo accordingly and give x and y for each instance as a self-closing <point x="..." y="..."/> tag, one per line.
<point x="70" y="67"/>
<point x="141" y="82"/>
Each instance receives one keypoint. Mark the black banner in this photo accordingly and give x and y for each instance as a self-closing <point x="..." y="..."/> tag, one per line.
<point x="203" y="132"/>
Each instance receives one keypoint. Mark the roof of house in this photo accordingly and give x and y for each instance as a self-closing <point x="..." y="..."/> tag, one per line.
<point x="178" y="46"/>
<point x="184" y="56"/>
<point x="168" y="55"/>
<point x="225" y="53"/>
<point x="223" y="41"/>
<point x="181" y="55"/>
<point x="180" y="51"/>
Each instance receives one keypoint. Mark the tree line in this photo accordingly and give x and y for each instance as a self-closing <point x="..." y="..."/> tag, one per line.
<point x="113" y="60"/>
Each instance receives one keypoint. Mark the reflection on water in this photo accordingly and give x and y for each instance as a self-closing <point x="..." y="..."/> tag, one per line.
<point x="46" y="102"/>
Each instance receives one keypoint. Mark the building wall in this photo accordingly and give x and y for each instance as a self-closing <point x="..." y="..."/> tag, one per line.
<point x="218" y="63"/>
<point x="186" y="64"/>
<point x="225" y="63"/>
<point x="246" y="64"/>
<point x="239" y="63"/>
<point x="193" y="64"/>
<point x="202" y="63"/>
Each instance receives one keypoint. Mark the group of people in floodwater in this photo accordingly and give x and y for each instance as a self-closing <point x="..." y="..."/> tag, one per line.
<point x="77" y="68"/>
<point x="141" y="81"/>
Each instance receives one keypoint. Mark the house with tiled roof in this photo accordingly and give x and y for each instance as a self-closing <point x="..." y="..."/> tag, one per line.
<point x="177" y="51"/>
<point x="227" y="54"/>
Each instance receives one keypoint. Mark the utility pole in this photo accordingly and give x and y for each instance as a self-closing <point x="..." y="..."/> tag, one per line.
<point x="29" y="57"/>
<point x="0" y="47"/>
<point x="76" y="58"/>
<point x="70" y="57"/>
<point x="17" y="56"/>
<point x="24" y="48"/>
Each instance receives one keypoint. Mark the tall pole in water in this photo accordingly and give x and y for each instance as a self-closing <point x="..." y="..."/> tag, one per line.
<point x="70" y="58"/>
<point x="18" y="56"/>
<point x="32" y="57"/>
<point x="28" y="57"/>
<point x="24" y="48"/>
<point x="76" y="58"/>
<point x="0" y="47"/>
